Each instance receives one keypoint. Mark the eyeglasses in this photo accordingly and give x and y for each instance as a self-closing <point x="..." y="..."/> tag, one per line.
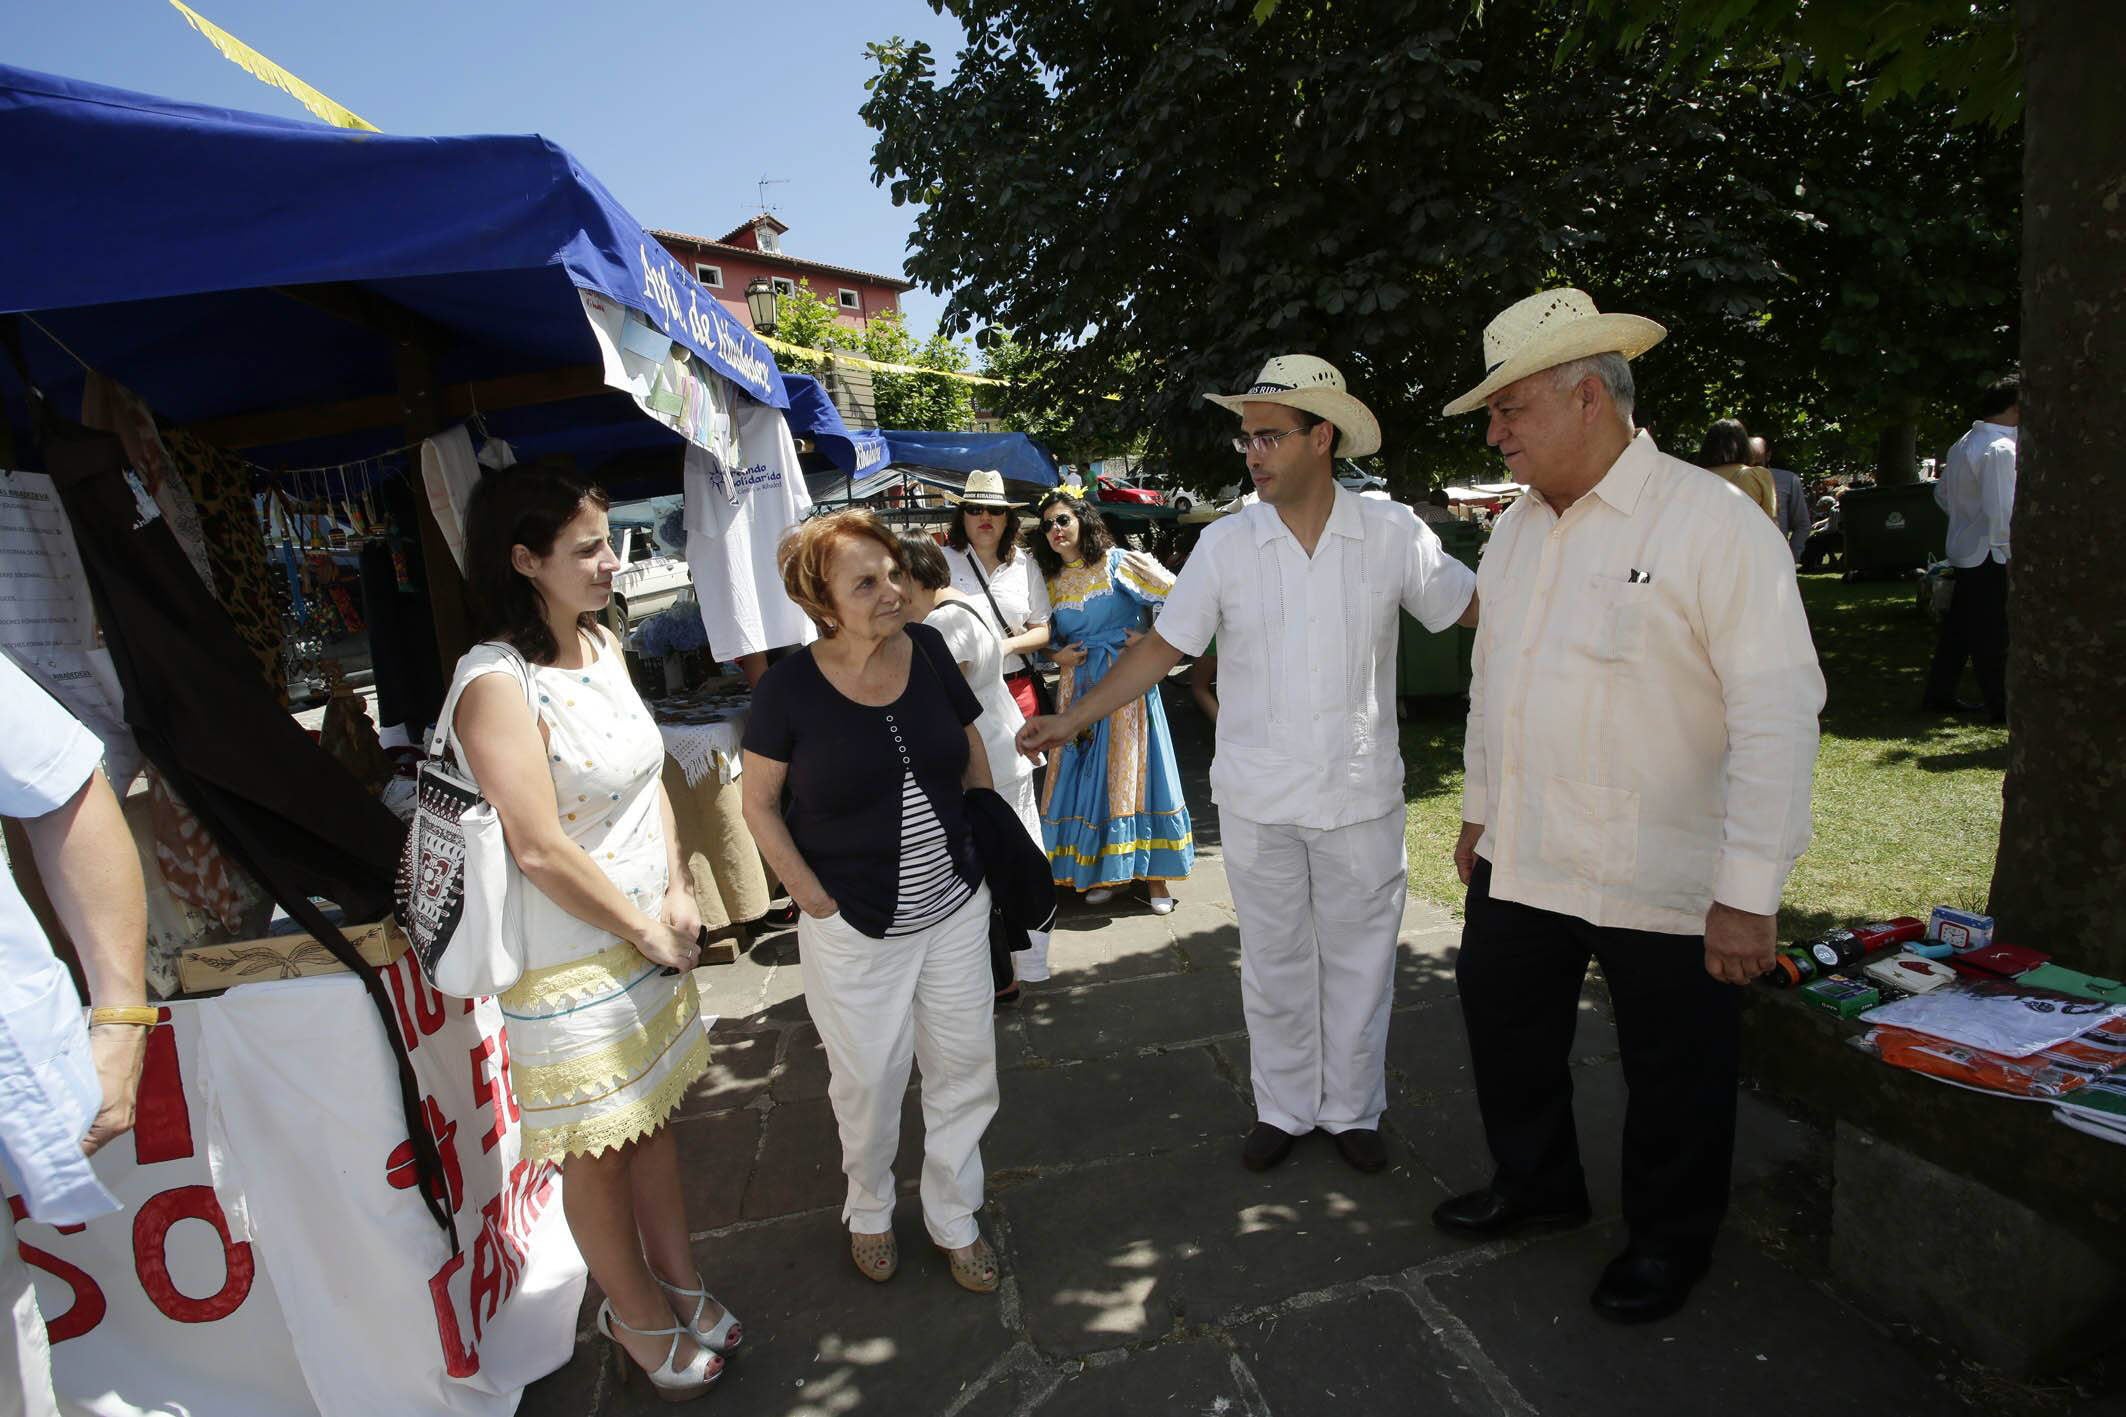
<point x="1262" y="442"/>
<point x="1051" y="523"/>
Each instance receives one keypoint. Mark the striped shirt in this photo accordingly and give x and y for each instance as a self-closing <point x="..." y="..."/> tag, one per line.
<point x="930" y="887"/>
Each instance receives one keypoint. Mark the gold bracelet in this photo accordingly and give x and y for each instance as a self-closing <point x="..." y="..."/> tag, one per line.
<point x="141" y="1015"/>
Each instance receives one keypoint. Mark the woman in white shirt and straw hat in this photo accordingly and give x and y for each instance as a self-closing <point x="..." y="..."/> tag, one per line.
<point x="989" y="567"/>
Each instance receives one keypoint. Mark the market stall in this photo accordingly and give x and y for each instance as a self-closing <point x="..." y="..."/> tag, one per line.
<point x="365" y="1237"/>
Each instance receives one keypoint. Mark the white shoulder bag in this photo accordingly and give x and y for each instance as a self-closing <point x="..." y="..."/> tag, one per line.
<point x="460" y="894"/>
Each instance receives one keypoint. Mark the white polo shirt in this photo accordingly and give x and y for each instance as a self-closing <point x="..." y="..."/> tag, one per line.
<point x="1306" y="654"/>
<point x="1642" y="717"/>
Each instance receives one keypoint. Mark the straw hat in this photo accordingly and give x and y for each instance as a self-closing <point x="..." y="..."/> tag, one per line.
<point x="1312" y="386"/>
<point x="985" y="488"/>
<point x="1546" y="330"/>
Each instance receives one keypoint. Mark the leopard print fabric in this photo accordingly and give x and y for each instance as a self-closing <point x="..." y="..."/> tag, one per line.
<point x="236" y="549"/>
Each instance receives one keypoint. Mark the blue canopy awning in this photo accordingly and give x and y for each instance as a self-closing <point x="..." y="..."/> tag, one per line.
<point x="1016" y="456"/>
<point x="813" y="415"/>
<point x="223" y="263"/>
<point x="832" y="489"/>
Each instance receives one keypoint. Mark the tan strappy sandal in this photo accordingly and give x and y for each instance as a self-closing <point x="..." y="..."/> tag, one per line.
<point x="974" y="1269"/>
<point x="878" y="1257"/>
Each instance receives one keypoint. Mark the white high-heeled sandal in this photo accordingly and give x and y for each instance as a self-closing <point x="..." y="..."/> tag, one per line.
<point x="728" y="1332"/>
<point x="669" y="1383"/>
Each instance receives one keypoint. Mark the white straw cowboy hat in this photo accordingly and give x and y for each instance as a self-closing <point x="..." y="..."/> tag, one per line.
<point x="1312" y="386"/>
<point x="1546" y="330"/>
<point x="985" y="488"/>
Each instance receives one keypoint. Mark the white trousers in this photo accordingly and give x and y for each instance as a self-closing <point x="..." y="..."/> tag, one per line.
<point x="1319" y="913"/>
<point x="26" y="1370"/>
<point x="878" y="1004"/>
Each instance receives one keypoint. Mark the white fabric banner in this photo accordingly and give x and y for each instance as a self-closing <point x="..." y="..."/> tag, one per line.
<point x="163" y="1307"/>
<point x="350" y="1300"/>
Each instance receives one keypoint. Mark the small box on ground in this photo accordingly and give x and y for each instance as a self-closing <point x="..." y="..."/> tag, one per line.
<point x="1960" y="929"/>
<point x="1847" y="998"/>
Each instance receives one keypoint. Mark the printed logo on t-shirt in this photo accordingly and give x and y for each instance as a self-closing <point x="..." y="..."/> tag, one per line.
<point x="748" y="479"/>
<point x="144" y="508"/>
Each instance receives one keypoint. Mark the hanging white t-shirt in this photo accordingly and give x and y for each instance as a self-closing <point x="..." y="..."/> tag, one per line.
<point x="449" y="473"/>
<point x="736" y="516"/>
<point x="710" y="401"/>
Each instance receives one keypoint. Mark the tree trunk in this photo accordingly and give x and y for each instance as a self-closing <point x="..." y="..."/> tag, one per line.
<point x="1896" y="456"/>
<point x="2059" y="882"/>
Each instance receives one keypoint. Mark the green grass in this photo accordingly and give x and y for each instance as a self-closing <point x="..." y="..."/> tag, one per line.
<point x="1907" y="805"/>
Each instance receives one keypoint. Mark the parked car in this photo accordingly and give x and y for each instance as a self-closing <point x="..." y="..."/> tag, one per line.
<point x="1114" y="489"/>
<point x="1351" y="476"/>
<point x="1348" y="474"/>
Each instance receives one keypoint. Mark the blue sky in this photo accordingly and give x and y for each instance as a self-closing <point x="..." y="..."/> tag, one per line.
<point x="679" y="109"/>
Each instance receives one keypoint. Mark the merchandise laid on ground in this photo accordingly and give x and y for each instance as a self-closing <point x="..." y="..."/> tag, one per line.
<point x="1944" y="998"/>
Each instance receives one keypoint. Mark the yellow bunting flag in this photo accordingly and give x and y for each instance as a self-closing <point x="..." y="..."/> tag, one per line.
<point x="259" y="67"/>
<point x="880" y="366"/>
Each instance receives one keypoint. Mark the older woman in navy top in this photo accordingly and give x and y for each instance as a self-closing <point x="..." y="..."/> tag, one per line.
<point x="872" y="730"/>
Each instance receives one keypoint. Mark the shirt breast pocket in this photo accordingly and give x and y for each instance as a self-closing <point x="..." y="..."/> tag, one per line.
<point x="1612" y="619"/>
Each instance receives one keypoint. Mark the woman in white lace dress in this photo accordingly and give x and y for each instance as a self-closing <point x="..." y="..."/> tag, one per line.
<point x="605" y="1031"/>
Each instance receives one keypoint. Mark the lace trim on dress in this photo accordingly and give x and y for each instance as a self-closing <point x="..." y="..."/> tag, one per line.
<point x="545" y="991"/>
<point x="627" y="1057"/>
<point x="592" y="1135"/>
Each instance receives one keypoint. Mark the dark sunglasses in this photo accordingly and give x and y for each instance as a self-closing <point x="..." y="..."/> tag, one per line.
<point x="1051" y="523"/>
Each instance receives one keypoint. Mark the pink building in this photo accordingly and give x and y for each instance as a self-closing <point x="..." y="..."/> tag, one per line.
<point x="729" y="263"/>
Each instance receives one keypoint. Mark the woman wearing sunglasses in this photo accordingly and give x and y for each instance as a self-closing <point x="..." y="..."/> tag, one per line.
<point x="1111" y="809"/>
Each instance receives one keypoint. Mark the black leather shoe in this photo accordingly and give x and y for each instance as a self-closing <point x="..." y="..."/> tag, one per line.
<point x="1486" y="1215"/>
<point x="1265" y="1147"/>
<point x="1932" y="705"/>
<point x="1640" y="1288"/>
<point x="1363" y="1149"/>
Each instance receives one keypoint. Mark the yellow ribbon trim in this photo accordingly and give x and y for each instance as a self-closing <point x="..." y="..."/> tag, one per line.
<point x="1076" y="585"/>
<point x="1186" y="843"/>
<point x="842" y="357"/>
<point x="627" y="1058"/>
<point x="606" y="972"/>
<point x="781" y="346"/>
<point x="259" y="67"/>
<point x="1130" y="571"/>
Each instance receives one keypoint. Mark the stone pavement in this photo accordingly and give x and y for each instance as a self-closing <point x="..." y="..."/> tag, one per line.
<point x="1147" y="1272"/>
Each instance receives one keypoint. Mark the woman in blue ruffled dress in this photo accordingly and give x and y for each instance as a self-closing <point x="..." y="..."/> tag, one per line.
<point x="1111" y="807"/>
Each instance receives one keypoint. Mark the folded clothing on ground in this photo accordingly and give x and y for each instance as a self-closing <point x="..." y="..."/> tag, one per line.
<point x="1971" y="1067"/>
<point x="1996" y="1016"/>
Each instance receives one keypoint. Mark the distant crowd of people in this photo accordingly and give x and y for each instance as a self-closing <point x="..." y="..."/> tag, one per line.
<point x="1976" y="491"/>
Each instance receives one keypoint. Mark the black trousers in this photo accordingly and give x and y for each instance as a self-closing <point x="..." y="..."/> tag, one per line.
<point x="1976" y="628"/>
<point x="402" y="646"/>
<point x="1520" y="972"/>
